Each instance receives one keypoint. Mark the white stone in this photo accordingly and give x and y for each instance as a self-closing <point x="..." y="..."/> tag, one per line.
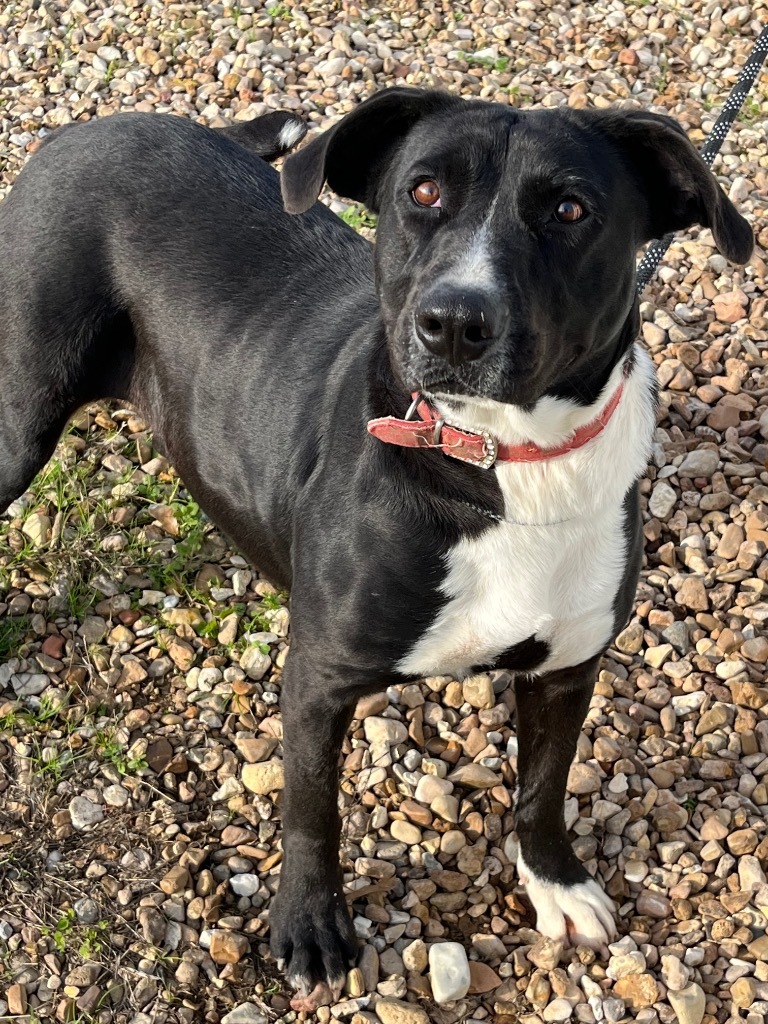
<point x="448" y="971"/>
<point x="662" y="500"/>
<point x="255" y="663"/>
<point x="84" y="812"/>
<point x="430" y="786"/>
<point x="558" y="1010"/>
<point x="116" y="796"/>
<point x="740" y="188"/>
<point x="245" y="884"/>
<point x="384" y="731"/>
<point x="674" y="972"/>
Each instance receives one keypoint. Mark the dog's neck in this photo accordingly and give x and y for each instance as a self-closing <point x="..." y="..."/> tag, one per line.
<point x="550" y="422"/>
<point x="554" y="417"/>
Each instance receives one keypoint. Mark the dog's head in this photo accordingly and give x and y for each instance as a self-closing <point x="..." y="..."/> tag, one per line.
<point x="507" y="240"/>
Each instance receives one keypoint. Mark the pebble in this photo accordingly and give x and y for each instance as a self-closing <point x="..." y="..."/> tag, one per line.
<point x="384" y="731"/>
<point x="689" y="1004"/>
<point x="474" y="776"/>
<point x="637" y="990"/>
<point x="86" y="910"/>
<point x="245" y="1013"/>
<point x="663" y="499"/>
<point x="255" y="663"/>
<point x="478" y="691"/>
<point x="84" y="813"/>
<point x="448" y="972"/>
<point x="264" y="777"/>
<point x="227" y="947"/>
<point x="558" y="1010"/>
<point x="416" y="956"/>
<point x="583" y="779"/>
<point x="545" y="953"/>
<point x="395" y="1011"/>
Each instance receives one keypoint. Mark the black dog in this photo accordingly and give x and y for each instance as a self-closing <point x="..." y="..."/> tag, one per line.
<point x="152" y="260"/>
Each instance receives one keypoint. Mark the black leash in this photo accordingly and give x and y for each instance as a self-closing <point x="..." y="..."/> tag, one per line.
<point x="655" y="251"/>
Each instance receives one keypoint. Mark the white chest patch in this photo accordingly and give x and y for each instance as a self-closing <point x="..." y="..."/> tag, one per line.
<point x="552" y="569"/>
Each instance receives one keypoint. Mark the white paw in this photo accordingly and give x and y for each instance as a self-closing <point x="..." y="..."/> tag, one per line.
<point x="579" y="915"/>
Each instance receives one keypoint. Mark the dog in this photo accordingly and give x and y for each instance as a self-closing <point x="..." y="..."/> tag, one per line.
<point x="275" y="353"/>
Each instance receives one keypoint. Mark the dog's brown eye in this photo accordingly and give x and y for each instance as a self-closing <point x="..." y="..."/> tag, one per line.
<point x="427" y="193"/>
<point x="569" y="211"/>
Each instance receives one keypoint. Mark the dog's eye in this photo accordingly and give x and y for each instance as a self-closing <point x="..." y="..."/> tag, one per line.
<point x="427" y="193"/>
<point x="569" y="211"/>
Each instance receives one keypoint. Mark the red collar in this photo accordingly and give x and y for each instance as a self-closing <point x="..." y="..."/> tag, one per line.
<point x="480" y="449"/>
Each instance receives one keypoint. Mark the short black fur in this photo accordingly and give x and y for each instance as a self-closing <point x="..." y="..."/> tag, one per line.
<point x="150" y="259"/>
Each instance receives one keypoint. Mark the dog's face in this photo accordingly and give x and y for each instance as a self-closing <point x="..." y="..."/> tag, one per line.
<point x="507" y="240"/>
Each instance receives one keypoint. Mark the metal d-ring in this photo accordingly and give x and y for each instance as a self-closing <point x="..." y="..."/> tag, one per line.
<point x="438" y="430"/>
<point x="413" y="406"/>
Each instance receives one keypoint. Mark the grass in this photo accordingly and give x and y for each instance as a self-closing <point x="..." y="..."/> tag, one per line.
<point x="278" y="10"/>
<point x="87" y="939"/>
<point x="111" y="69"/>
<point x="113" y="752"/>
<point x="12" y="632"/>
<point x="358" y="217"/>
<point x="500" y="64"/>
<point x="662" y="78"/>
<point x="751" y="112"/>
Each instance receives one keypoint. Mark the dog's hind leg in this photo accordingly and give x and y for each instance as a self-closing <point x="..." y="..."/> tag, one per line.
<point x="570" y="905"/>
<point x="49" y="368"/>
<point x="27" y="440"/>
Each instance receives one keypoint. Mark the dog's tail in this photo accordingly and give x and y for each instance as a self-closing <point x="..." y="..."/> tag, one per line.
<point x="269" y="136"/>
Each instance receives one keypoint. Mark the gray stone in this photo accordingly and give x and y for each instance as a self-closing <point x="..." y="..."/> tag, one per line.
<point x="84" y="812"/>
<point x="86" y="910"/>
<point x="245" y="1013"/>
<point x="700" y="462"/>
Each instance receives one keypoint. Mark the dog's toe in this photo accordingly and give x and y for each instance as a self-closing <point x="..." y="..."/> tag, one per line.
<point x="316" y="941"/>
<point x="579" y="915"/>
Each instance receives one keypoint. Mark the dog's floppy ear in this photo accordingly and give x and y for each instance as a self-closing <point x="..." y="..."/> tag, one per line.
<point x="353" y="154"/>
<point x="679" y="187"/>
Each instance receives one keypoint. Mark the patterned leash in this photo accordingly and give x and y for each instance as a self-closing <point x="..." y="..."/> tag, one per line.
<point x="655" y="251"/>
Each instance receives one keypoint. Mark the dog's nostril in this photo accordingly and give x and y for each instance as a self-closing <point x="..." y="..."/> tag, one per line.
<point x="475" y="334"/>
<point x="432" y="325"/>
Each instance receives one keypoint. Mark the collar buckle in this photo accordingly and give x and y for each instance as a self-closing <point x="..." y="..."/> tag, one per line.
<point x="491" y="450"/>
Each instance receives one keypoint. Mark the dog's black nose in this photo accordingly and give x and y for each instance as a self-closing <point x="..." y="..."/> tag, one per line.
<point x="457" y="327"/>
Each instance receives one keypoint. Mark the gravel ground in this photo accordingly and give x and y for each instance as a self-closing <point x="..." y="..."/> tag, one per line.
<point x="140" y="658"/>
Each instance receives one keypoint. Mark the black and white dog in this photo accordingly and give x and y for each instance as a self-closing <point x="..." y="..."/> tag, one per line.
<point x="155" y="261"/>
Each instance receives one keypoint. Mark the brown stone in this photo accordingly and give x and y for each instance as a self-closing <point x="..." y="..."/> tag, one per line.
<point x="227" y="947"/>
<point x="482" y="978"/>
<point x="16" y="997"/>
<point x="176" y="880"/>
<point x="159" y="754"/>
<point x="255" y="749"/>
<point x="692" y="594"/>
<point x="730" y="306"/>
<point x="181" y="653"/>
<point x="637" y="990"/>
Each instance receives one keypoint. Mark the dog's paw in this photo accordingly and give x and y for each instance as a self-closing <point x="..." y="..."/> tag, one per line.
<point x="579" y="915"/>
<point x="314" y="942"/>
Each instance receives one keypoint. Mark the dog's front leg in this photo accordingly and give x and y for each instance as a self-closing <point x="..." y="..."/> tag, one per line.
<point x="310" y="927"/>
<point x="569" y="904"/>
